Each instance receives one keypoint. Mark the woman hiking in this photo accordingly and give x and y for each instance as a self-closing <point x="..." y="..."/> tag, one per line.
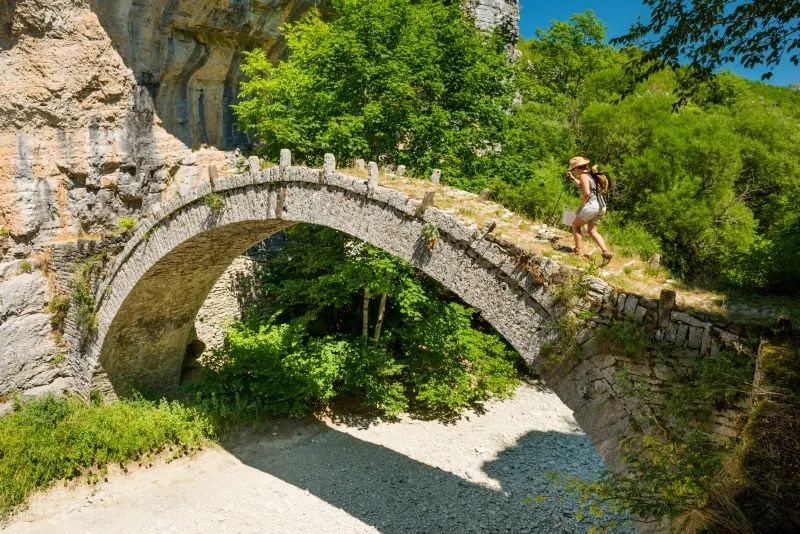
<point x="591" y="209"/>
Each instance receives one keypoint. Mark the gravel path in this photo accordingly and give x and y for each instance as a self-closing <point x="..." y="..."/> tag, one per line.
<point x="337" y="476"/>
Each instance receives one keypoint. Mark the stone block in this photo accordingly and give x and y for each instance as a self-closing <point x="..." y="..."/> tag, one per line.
<point x="688" y="319"/>
<point x="705" y="343"/>
<point x="253" y="164"/>
<point x="666" y="302"/>
<point x="401" y="170"/>
<point x="286" y="157"/>
<point x="436" y="176"/>
<point x="663" y="372"/>
<point x="671" y="333"/>
<point x="621" y="302"/>
<point x="683" y="330"/>
<point x="360" y="165"/>
<point x="724" y="335"/>
<point x="650" y="304"/>
<point x="640" y="313"/>
<point x="373" y="174"/>
<point x="329" y="164"/>
<point x="630" y="305"/>
<point x="695" y="338"/>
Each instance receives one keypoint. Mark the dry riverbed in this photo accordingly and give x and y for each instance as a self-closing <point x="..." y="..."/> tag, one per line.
<point x="348" y="476"/>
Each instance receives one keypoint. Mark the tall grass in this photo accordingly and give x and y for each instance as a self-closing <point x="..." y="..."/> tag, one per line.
<point x="50" y="439"/>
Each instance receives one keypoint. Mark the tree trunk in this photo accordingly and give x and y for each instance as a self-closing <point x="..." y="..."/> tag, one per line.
<point x="365" y="320"/>
<point x="381" y="310"/>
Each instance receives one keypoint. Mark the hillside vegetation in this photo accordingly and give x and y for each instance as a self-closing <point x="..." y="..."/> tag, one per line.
<point x="708" y="186"/>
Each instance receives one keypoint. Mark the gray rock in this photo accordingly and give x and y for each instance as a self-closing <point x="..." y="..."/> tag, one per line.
<point x="23" y="294"/>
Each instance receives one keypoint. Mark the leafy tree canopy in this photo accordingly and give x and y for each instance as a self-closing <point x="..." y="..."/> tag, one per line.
<point x="712" y="34"/>
<point x="411" y="83"/>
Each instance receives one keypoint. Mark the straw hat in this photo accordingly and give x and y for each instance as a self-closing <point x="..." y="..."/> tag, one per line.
<point x="577" y="161"/>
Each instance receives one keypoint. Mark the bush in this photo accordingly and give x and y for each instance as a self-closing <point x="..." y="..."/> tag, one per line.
<point x="126" y="224"/>
<point x="412" y="82"/>
<point x="58" y="308"/>
<point x="629" y="238"/>
<point x="49" y="439"/>
<point x="268" y="369"/>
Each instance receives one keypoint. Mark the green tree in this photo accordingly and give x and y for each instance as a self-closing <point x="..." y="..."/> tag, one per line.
<point x="347" y="318"/>
<point x="709" y="35"/>
<point x="411" y="83"/>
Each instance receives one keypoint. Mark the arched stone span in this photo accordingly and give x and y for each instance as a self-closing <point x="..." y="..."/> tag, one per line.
<point x="153" y="288"/>
<point x="148" y="303"/>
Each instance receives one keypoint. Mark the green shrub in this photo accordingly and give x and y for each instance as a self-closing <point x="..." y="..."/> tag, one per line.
<point x="50" y="439"/>
<point x="431" y="235"/>
<point x="214" y="201"/>
<point x="58" y="308"/>
<point x="83" y="294"/>
<point x="629" y="238"/>
<point x="268" y="369"/>
<point x="623" y="337"/>
<point x="25" y="266"/>
<point x="126" y="224"/>
<point x="5" y="231"/>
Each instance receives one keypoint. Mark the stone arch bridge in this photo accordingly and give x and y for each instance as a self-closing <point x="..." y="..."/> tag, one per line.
<point x="152" y="289"/>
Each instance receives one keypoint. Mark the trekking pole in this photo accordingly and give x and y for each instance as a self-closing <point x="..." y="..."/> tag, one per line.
<point x="555" y="207"/>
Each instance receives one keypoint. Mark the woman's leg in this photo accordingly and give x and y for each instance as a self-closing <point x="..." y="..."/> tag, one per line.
<point x="596" y="236"/>
<point x="577" y="235"/>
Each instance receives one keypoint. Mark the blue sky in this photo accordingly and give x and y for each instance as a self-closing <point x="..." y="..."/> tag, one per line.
<point x="618" y="15"/>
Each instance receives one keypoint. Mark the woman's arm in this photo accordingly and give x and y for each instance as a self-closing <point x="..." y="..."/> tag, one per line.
<point x="585" y="190"/>
<point x="574" y="180"/>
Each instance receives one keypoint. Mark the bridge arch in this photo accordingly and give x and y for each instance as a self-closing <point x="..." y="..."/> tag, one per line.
<point x="149" y="298"/>
<point x="148" y="303"/>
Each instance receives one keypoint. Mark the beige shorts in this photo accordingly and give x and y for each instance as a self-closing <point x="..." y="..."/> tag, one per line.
<point x="591" y="212"/>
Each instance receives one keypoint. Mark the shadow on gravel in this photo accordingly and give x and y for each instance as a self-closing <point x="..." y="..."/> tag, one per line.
<point x="395" y="494"/>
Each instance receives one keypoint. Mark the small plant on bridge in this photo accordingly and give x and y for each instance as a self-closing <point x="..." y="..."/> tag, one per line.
<point x="214" y="201"/>
<point x="431" y="235"/>
<point x="58" y="308"/>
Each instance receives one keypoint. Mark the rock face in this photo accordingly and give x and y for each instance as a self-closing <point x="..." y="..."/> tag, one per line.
<point x="30" y="360"/>
<point x="107" y="109"/>
<point x="102" y="103"/>
<point x="490" y="14"/>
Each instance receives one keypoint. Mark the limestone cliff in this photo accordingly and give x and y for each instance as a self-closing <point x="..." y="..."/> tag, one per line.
<point x="102" y="102"/>
<point x="489" y="14"/>
<point x="107" y="109"/>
